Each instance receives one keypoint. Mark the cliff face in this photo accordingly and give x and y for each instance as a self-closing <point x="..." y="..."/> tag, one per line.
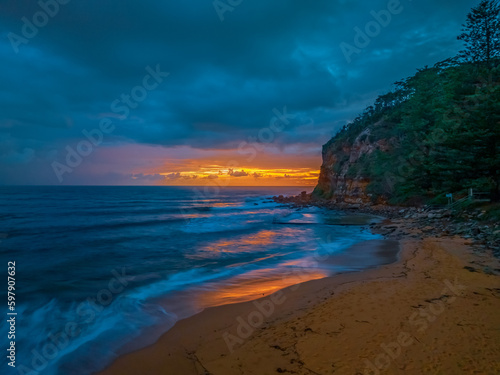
<point x="434" y="135"/>
<point x="344" y="175"/>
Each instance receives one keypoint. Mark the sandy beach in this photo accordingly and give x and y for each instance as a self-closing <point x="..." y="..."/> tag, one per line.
<point x="433" y="311"/>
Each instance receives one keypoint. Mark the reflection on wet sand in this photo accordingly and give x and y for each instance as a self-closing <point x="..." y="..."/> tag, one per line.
<point x="249" y="242"/>
<point x="254" y="285"/>
<point x="365" y="255"/>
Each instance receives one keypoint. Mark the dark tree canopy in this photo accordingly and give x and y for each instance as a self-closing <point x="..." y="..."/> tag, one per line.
<point x="438" y="131"/>
<point x="481" y="33"/>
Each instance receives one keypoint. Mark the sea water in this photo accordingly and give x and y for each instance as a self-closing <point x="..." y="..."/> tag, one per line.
<point x="97" y="267"/>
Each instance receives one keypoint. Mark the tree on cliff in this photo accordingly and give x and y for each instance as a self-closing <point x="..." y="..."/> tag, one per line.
<point x="469" y="154"/>
<point x="481" y="33"/>
<point x="438" y="132"/>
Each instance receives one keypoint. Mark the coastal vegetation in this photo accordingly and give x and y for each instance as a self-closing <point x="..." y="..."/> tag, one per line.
<point x="434" y="134"/>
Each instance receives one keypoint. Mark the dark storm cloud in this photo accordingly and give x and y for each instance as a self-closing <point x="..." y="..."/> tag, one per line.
<point x="237" y="173"/>
<point x="225" y="77"/>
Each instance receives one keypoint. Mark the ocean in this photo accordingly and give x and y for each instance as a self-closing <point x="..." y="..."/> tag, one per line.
<point x="100" y="271"/>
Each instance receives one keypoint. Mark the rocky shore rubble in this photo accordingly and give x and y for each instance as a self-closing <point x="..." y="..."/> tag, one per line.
<point x="401" y="222"/>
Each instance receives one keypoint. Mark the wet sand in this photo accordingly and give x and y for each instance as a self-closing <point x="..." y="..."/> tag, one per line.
<point x="425" y="313"/>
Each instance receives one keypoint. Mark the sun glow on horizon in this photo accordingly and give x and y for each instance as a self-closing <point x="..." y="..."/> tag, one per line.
<point x="216" y="175"/>
<point x="187" y="166"/>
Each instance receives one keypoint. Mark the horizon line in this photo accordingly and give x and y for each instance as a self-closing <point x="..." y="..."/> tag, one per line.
<point x="236" y="186"/>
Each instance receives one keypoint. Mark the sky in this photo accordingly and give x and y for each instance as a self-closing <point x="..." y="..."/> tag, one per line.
<point x="226" y="92"/>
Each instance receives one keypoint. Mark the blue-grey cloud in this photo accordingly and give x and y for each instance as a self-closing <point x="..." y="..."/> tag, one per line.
<point x="225" y="78"/>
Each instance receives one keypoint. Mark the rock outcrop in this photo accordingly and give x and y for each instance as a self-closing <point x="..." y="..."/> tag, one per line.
<point x="344" y="177"/>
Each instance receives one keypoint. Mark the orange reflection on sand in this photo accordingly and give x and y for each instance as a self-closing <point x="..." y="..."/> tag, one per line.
<point x="262" y="238"/>
<point x="224" y="204"/>
<point x="191" y="216"/>
<point x="250" y="288"/>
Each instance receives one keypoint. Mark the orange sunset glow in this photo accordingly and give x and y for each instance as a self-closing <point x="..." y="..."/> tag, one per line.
<point x="253" y="285"/>
<point x="270" y="167"/>
<point x="216" y="175"/>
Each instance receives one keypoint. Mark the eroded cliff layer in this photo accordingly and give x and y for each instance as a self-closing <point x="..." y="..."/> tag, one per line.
<point x="345" y="174"/>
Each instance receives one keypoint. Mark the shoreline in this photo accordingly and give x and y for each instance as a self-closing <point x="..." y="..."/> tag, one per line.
<point x="437" y="221"/>
<point x="221" y="340"/>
